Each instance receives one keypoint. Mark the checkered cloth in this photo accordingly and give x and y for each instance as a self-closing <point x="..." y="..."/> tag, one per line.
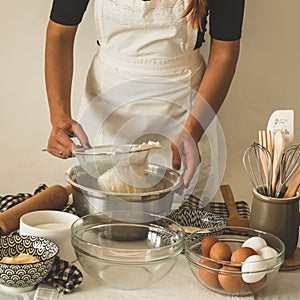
<point x="217" y="207"/>
<point x="221" y="209"/>
<point x="63" y="275"/>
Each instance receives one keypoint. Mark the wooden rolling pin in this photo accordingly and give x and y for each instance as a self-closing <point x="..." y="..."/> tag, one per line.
<point x="54" y="197"/>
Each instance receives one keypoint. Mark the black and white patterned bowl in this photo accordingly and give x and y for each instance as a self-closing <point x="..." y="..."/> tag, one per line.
<point x="23" y="277"/>
<point x="197" y="219"/>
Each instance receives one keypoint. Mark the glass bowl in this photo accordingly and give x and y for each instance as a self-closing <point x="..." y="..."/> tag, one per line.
<point x="126" y="249"/>
<point x="227" y="276"/>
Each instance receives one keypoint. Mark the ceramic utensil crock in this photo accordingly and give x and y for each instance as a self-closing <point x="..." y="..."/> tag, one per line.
<point x="279" y="216"/>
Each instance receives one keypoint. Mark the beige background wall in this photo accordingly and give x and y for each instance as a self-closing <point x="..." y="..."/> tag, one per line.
<point x="268" y="78"/>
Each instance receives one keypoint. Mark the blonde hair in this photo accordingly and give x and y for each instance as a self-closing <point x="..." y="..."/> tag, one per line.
<point x="196" y="9"/>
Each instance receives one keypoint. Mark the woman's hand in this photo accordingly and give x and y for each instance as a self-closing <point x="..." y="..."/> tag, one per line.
<point x="185" y="152"/>
<point x="60" y="143"/>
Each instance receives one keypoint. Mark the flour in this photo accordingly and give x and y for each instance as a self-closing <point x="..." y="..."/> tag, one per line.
<point x="130" y="175"/>
<point x="146" y="146"/>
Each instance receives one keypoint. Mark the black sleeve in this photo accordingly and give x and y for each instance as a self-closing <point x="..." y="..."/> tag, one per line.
<point x="68" y="12"/>
<point x="226" y="19"/>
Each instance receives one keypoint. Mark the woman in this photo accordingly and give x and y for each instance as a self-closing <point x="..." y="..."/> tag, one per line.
<point x="156" y="41"/>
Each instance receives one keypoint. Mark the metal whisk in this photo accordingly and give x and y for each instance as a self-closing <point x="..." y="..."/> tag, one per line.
<point x="289" y="164"/>
<point x="257" y="161"/>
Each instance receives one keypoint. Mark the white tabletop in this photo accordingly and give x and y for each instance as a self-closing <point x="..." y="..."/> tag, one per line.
<point x="180" y="283"/>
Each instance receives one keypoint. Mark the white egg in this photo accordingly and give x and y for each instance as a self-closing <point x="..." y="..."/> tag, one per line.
<point x="253" y="269"/>
<point x="255" y="243"/>
<point x="268" y="253"/>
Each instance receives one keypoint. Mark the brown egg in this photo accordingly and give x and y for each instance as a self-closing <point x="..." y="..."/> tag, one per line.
<point x="257" y="285"/>
<point x="220" y="251"/>
<point x="231" y="283"/>
<point x="240" y="255"/>
<point x="209" y="277"/>
<point x="207" y="243"/>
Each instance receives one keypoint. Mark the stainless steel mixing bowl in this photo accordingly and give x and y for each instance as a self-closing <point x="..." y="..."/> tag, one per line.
<point x="89" y="199"/>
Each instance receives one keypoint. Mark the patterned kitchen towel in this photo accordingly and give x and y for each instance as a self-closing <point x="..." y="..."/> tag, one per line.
<point x="221" y="209"/>
<point x="217" y="207"/>
<point x="64" y="276"/>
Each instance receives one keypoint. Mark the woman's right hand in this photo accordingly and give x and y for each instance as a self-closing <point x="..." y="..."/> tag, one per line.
<point x="60" y="143"/>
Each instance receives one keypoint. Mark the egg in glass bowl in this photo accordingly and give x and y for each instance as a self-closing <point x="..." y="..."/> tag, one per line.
<point x="235" y="261"/>
<point x="24" y="261"/>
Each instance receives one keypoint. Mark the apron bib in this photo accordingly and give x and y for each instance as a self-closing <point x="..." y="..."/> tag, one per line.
<point x="142" y="82"/>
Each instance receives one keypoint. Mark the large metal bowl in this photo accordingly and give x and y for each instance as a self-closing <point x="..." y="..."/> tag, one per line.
<point x="88" y="198"/>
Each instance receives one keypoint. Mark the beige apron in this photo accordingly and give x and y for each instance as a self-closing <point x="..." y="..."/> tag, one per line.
<point x="142" y="82"/>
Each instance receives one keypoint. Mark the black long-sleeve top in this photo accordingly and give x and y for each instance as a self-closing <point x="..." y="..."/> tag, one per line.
<point x="225" y="17"/>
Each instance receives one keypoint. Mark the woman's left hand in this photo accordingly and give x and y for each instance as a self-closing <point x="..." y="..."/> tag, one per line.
<point x="185" y="152"/>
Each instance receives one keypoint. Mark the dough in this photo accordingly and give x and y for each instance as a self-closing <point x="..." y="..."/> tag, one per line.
<point x="22" y="258"/>
<point x="130" y="176"/>
<point x="125" y="179"/>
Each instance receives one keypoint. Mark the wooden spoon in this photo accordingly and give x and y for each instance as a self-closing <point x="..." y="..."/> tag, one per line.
<point x="270" y="143"/>
<point x="234" y="218"/>
<point x="278" y="149"/>
<point x="294" y="185"/>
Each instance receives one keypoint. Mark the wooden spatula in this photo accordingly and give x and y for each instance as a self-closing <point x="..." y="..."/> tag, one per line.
<point x="234" y="218"/>
<point x="294" y="185"/>
<point x="278" y="150"/>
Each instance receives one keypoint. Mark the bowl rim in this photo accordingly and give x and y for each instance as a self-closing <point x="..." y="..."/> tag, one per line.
<point x="188" y="253"/>
<point x="130" y="262"/>
<point x="71" y="172"/>
<point x="178" y="244"/>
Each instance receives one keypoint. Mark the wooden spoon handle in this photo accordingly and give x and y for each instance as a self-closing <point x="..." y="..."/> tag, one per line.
<point x="294" y="185"/>
<point x="54" y="197"/>
<point x="278" y="149"/>
<point x="229" y="200"/>
<point x="270" y="143"/>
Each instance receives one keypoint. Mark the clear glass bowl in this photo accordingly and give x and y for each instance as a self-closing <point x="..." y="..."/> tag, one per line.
<point x="127" y="249"/>
<point x="230" y="281"/>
